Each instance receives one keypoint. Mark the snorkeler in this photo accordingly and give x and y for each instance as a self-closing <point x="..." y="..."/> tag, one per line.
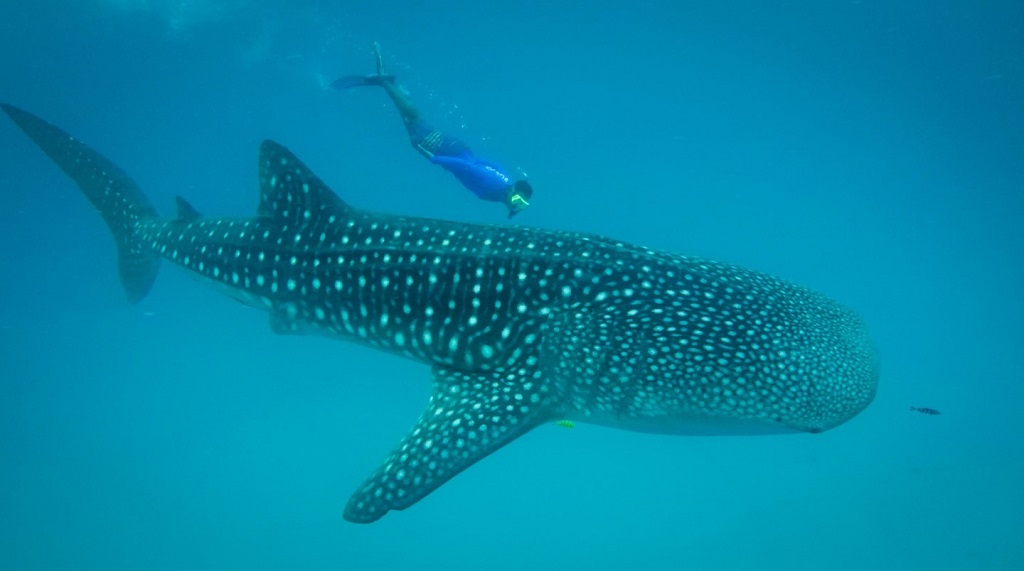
<point x="487" y="180"/>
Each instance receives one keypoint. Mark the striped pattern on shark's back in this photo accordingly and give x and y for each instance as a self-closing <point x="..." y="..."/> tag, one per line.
<point x="519" y="326"/>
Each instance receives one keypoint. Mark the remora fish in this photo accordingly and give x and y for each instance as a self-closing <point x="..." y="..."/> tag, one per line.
<point x="520" y="327"/>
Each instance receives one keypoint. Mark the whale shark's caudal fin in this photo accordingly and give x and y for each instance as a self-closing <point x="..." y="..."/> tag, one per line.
<point x="109" y="189"/>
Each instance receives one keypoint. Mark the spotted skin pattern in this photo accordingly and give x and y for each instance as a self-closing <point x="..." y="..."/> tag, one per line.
<point x="520" y="327"/>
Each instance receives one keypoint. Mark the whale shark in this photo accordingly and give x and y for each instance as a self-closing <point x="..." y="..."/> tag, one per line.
<point x="519" y="326"/>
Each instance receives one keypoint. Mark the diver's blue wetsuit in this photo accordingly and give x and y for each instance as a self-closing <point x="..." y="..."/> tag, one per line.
<point x="484" y="178"/>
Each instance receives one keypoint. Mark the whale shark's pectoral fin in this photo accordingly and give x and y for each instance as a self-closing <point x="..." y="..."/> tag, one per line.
<point x="470" y="415"/>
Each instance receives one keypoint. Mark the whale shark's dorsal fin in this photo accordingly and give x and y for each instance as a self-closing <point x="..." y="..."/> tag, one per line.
<point x="469" y="416"/>
<point x="291" y="193"/>
<point x="186" y="212"/>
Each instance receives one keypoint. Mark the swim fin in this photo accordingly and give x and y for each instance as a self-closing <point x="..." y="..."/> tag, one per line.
<point x="350" y="81"/>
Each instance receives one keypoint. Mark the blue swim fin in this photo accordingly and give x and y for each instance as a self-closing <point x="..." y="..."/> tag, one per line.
<point x="350" y="81"/>
<point x="360" y="80"/>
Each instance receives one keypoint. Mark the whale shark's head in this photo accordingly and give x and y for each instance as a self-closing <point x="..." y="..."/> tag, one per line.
<point x="793" y="359"/>
<point x="832" y="365"/>
<point x="690" y="346"/>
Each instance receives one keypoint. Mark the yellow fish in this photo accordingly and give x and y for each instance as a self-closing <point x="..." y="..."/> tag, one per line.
<point x="566" y="424"/>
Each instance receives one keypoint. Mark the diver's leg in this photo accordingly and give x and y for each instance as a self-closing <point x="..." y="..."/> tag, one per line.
<point x="396" y="92"/>
<point x="424" y="138"/>
<point x="401" y="99"/>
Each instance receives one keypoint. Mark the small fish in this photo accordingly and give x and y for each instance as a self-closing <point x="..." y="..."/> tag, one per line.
<point x="566" y="424"/>
<point x="925" y="410"/>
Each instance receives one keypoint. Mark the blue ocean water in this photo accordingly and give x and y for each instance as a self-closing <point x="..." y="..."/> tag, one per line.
<point x="871" y="150"/>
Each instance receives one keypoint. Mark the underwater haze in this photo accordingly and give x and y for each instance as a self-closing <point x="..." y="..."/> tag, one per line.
<point x="873" y="151"/>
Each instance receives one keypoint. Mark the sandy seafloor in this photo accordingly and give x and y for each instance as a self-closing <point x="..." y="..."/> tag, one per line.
<point x="871" y="150"/>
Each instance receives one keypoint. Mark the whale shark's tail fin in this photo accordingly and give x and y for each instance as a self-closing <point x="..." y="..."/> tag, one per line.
<point x="109" y="189"/>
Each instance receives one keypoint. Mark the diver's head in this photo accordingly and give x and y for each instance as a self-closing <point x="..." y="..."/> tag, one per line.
<point x="517" y="197"/>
